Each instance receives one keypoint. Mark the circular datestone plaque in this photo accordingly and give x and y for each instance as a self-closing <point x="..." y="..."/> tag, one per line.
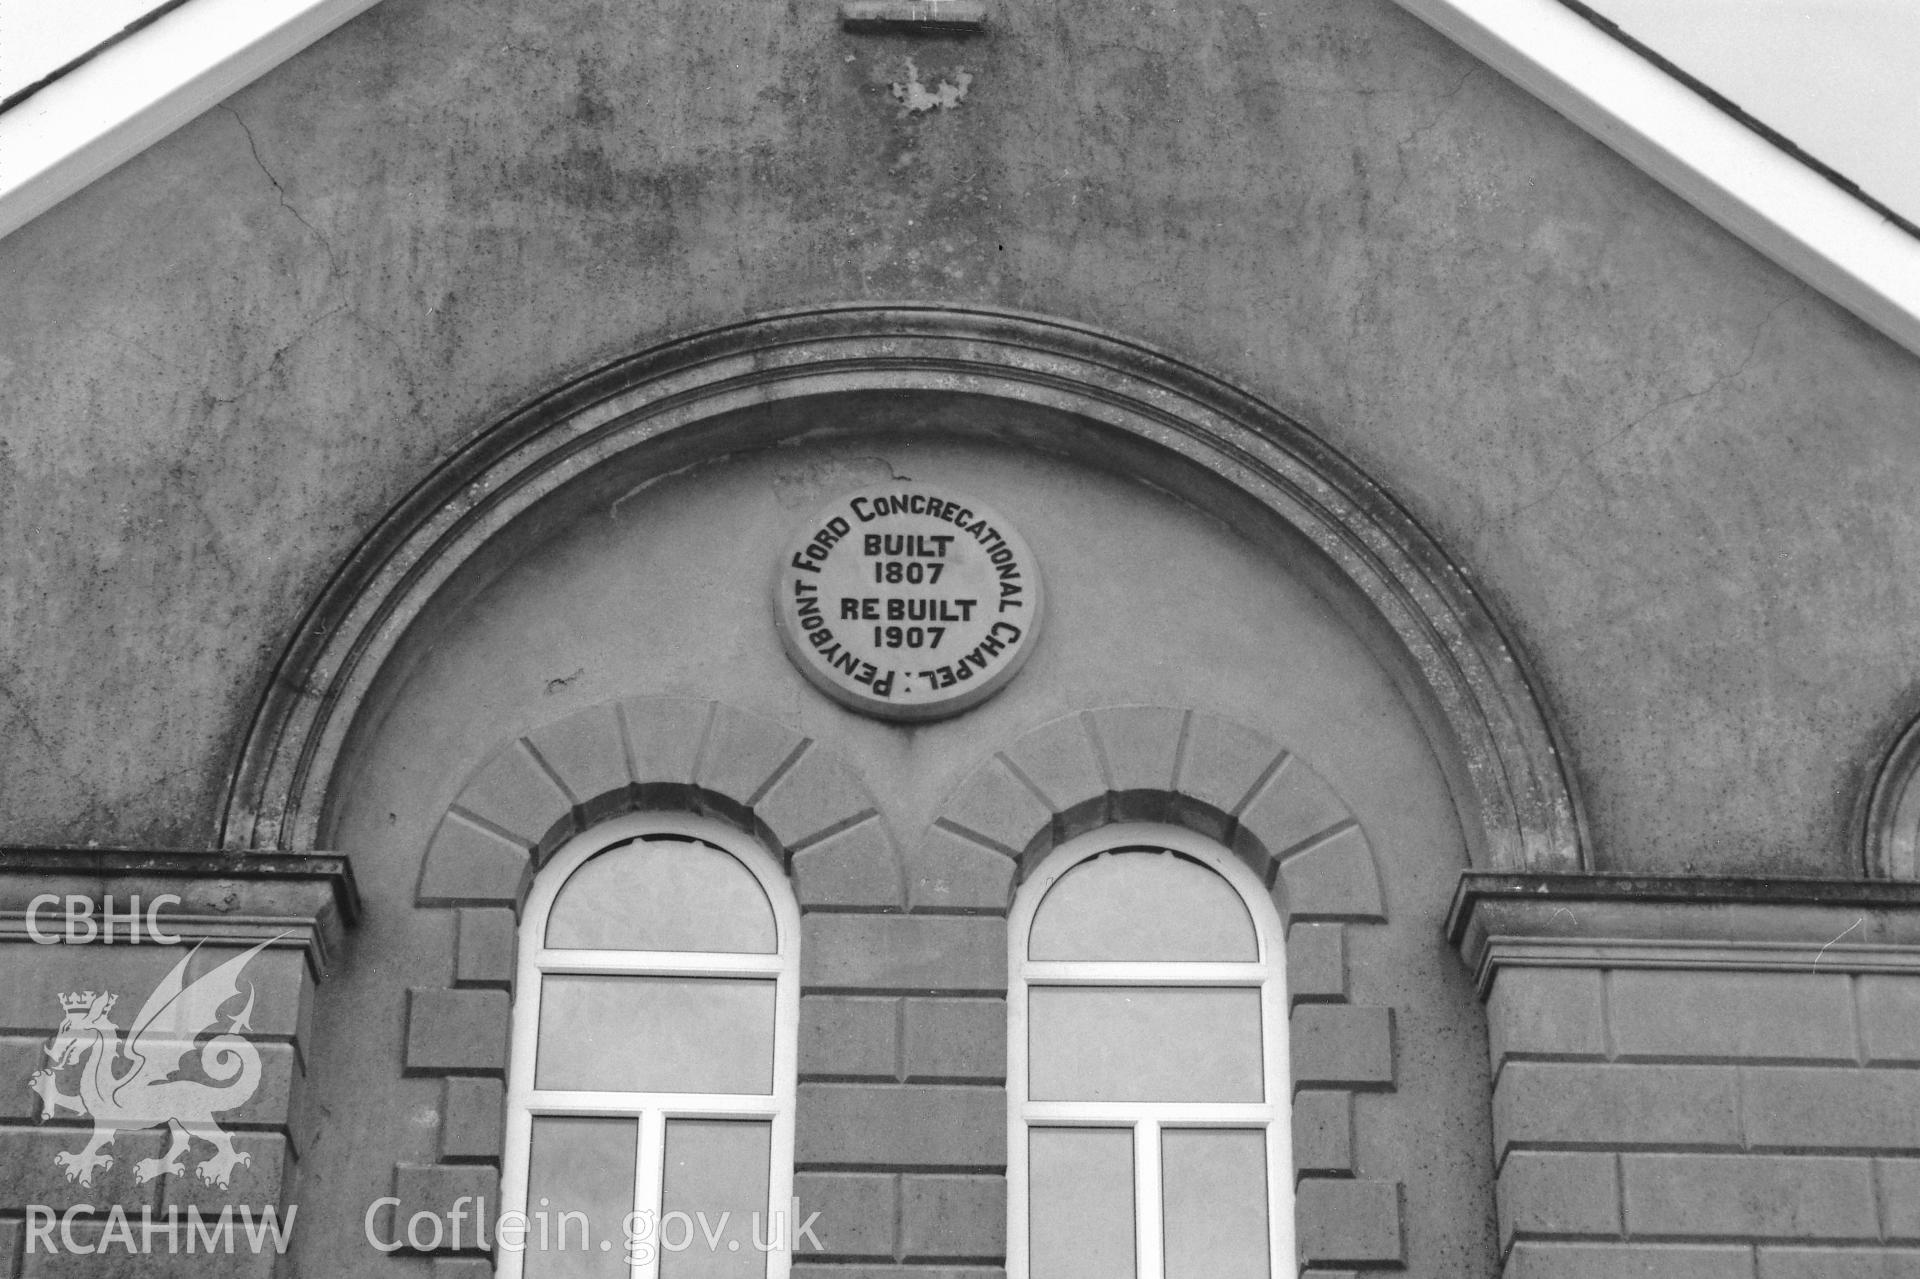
<point x="908" y="602"/>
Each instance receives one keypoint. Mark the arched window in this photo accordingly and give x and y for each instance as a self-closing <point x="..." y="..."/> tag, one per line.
<point x="1148" y="1129"/>
<point x="651" y="1089"/>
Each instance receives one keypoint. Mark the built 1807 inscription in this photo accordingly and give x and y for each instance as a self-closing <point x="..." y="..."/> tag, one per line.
<point x="908" y="602"/>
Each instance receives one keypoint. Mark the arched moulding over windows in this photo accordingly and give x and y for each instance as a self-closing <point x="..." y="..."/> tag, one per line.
<point x="661" y="753"/>
<point x="654" y="1054"/>
<point x="1140" y="410"/>
<point x="1156" y="764"/>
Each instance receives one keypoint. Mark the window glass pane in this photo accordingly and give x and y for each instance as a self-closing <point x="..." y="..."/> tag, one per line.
<point x="1080" y="1189"/>
<point x="1214" y="1199"/>
<point x="1142" y="905"/>
<point x="1143" y="1043"/>
<point x="655" y="1034"/>
<point x="662" y="894"/>
<point x="584" y="1167"/>
<point x="716" y="1176"/>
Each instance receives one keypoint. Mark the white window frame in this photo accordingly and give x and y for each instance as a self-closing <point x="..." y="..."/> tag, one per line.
<point x="1274" y="1113"/>
<point x="653" y="1110"/>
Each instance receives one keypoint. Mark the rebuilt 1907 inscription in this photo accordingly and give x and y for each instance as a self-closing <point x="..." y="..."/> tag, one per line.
<point x="908" y="602"/>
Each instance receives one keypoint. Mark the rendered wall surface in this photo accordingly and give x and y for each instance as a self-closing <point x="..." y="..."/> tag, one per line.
<point x="1679" y="477"/>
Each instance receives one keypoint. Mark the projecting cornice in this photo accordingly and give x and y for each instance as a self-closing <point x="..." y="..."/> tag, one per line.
<point x="1689" y="922"/>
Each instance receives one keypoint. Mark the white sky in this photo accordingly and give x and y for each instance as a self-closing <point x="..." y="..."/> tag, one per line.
<point x="39" y="36"/>
<point x="1841" y="78"/>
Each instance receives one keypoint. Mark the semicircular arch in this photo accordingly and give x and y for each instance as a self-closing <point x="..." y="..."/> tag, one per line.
<point x="1154" y="414"/>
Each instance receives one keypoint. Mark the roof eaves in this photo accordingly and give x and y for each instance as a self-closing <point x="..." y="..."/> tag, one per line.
<point x="135" y="90"/>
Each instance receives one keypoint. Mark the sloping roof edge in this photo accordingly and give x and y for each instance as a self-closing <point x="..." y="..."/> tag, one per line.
<point x="1779" y="205"/>
<point x="139" y="89"/>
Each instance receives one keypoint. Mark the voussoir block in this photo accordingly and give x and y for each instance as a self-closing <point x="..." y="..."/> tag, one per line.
<point x="1349" y="1222"/>
<point x="585" y="752"/>
<point x="1059" y="760"/>
<point x="1333" y="879"/>
<point x="745" y="754"/>
<point x="815" y="797"/>
<point x="998" y="808"/>
<point x="514" y="793"/>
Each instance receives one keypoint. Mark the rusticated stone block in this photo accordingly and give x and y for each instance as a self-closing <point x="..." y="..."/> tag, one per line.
<point x="1141" y="745"/>
<point x="263" y="1179"/>
<point x="1541" y="1103"/>
<point x="1341" y="1045"/>
<point x="1348" y="1222"/>
<point x="585" y="752"/>
<point x="1334" y="879"/>
<point x="908" y="953"/>
<point x="997" y="808"/>
<point x="273" y="1099"/>
<point x="277" y="975"/>
<point x="952" y="1218"/>
<point x="1558" y="1193"/>
<point x="484" y="947"/>
<point x="20" y="1057"/>
<point x="950" y="871"/>
<point x="1839" y="1263"/>
<point x="819" y="794"/>
<point x="1889" y="1018"/>
<point x="513" y="792"/>
<point x="845" y="1037"/>
<point x="462" y="1267"/>
<point x="1058" y="759"/>
<point x="1807" y="1107"/>
<point x="744" y="754"/>
<point x="1531" y="1260"/>
<point x="858" y="866"/>
<point x="1323" y="1133"/>
<point x="956" y="1039"/>
<point x="857" y="1212"/>
<point x="29" y="1175"/>
<point x="665" y="734"/>
<point x="915" y="1125"/>
<point x="439" y="1189"/>
<point x="1545" y="1012"/>
<point x="1898" y="1181"/>
<point x="36" y="976"/>
<point x="472" y="1119"/>
<point x="1316" y="962"/>
<point x="467" y="865"/>
<point x="456" y="1032"/>
<point x="1748" y="1195"/>
<point x="1707" y="1014"/>
<point x="117" y="1248"/>
<point x="1294" y="807"/>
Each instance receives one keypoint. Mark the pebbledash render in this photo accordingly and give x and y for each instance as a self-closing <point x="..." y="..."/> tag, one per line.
<point x="938" y="641"/>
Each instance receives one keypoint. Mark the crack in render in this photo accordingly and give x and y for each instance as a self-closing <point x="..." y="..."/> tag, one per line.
<point x="1586" y="455"/>
<point x="333" y="261"/>
<point x="1440" y="113"/>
